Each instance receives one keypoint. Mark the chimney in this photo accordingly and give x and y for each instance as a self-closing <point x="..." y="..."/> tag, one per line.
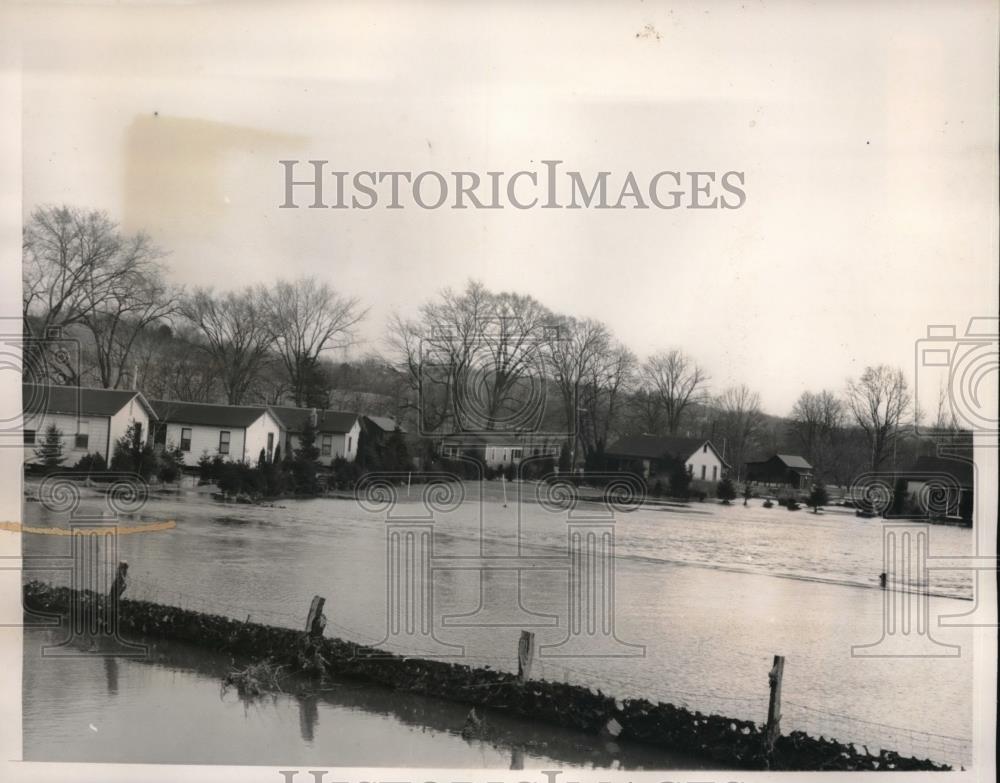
<point x="313" y="418"/>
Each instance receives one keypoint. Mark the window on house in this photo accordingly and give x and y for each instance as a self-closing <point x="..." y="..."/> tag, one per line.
<point x="29" y="437"/>
<point x="705" y="448"/>
<point x="515" y="454"/>
<point x="270" y="445"/>
<point x="715" y="472"/>
<point x="327" y="448"/>
<point x="224" y="441"/>
<point x="702" y="472"/>
<point x="82" y="436"/>
<point x="505" y="455"/>
<point x="349" y="439"/>
<point x="160" y="434"/>
<point x="690" y="470"/>
<point x="185" y="439"/>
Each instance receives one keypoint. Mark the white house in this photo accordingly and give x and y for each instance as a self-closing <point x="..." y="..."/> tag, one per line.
<point x="337" y="431"/>
<point x="705" y="462"/>
<point x="237" y="433"/>
<point x="501" y="449"/>
<point x="651" y="455"/>
<point x="90" y="421"/>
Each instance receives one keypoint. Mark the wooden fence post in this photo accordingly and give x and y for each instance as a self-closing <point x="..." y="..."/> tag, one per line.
<point x="107" y="607"/>
<point x="774" y="706"/>
<point x="316" y="621"/>
<point x="119" y="584"/>
<point x="525" y="655"/>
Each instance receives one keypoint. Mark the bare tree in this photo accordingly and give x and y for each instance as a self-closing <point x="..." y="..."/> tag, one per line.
<point x="645" y="412"/>
<point x="944" y="419"/>
<point x="577" y="349"/>
<point x="879" y="400"/>
<point x="304" y="319"/>
<point x="403" y="353"/>
<point x="233" y="334"/>
<point x="816" y="425"/>
<point x="675" y="381"/>
<point x="604" y="397"/>
<point x="740" y="421"/>
<point x="170" y="364"/>
<point x="592" y="373"/>
<point x="139" y="298"/>
<point x="505" y="375"/>
<point x="474" y="357"/>
<point x="75" y="263"/>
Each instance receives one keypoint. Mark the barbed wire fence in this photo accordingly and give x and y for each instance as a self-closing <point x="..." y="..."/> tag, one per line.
<point x="870" y="736"/>
<point x="875" y="736"/>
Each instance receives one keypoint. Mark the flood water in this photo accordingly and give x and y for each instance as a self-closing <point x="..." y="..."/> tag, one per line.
<point x="704" y="597"/>
<point x="170" y="707"/>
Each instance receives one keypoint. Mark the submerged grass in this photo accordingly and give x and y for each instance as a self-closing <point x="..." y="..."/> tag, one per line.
<point x="255" y="679"/>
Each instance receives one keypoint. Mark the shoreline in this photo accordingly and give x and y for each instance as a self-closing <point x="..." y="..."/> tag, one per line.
<point x="735" y="742"/>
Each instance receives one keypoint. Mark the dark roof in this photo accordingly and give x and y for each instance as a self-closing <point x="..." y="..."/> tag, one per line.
<point x="656" y="447"/>
<point x="497" y="439"/>
<point x="790" y="461"/>
<point x="385" y="423"/>
<point x="207" y="414"/>
<point x="926" y="467"/>
<point x="76" y="400"/>
<point x="294" y="419"/>
<point x="794" y="461"/>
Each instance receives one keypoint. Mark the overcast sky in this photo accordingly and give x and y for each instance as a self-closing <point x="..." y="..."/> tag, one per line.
<point x="865" y="131"/>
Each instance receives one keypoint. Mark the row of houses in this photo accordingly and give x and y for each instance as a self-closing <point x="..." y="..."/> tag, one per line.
<point x="655" y="455"/>
<point x="91" y="421"/>
<point x="646" y="455"/>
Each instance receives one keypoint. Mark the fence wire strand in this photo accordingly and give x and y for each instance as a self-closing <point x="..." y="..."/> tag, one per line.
<point x="870" y="735"/>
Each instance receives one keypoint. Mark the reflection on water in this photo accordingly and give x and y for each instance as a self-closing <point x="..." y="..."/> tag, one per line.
<point x="171" y="708"/>
<point x="712" y="593"/>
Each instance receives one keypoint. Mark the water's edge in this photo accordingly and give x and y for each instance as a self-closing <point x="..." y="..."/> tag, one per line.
<point x="733" y="742"/>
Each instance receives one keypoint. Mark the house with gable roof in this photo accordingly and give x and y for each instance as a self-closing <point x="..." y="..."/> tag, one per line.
<point x="236" y="433"/>
<point x="337" y="431"/>
<point x="788" y="470"/>
<point x="90" y="421"/>
<point x="650" y="455"/>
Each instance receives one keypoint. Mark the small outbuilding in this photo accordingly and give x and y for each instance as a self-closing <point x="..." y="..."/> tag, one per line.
<point x="781" y="470"/>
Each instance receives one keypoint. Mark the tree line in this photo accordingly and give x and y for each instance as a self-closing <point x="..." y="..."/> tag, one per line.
<point x="469" y="356"/>
<point x="88" y="284"/>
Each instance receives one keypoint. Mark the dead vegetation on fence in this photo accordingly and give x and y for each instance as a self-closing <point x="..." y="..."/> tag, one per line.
<point x="736" y="743"/>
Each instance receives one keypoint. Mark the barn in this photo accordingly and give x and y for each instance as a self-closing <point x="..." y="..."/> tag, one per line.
<point x="781" y="470"/>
